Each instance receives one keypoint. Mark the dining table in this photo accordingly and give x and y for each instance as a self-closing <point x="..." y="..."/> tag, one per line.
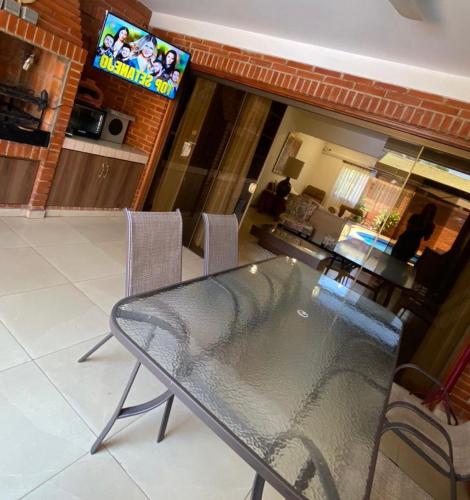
<point x="289" y="368"/>
<point x="390" y="271"/>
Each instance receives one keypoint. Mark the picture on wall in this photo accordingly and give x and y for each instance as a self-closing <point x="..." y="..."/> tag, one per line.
<point x="290" y="149"/>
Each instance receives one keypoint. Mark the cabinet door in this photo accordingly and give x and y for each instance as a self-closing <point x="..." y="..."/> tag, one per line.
<point x="17" y="178"/>
<point x="119" y="183"/>
<point x="77" y="181"/>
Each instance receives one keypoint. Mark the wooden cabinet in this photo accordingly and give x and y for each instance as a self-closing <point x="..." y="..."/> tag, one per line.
<point x="91" y="181"/>
<point x="17" y="178"/>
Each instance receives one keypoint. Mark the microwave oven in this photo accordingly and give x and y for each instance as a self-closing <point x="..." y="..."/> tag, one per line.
<point x="86" y="121"/>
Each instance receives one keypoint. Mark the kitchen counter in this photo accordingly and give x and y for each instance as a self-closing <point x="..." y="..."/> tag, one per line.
<point x="105" y="148"/>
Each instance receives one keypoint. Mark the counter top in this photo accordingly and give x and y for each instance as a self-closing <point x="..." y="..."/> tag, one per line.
<point x="105" y="148"/>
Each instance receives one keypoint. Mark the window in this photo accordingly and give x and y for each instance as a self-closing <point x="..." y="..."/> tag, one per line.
<point x="350" y="184"/>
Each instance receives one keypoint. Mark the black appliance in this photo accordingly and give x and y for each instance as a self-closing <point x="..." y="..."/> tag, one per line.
<point x="17" y="122"/>
<point x="86" y="121"/>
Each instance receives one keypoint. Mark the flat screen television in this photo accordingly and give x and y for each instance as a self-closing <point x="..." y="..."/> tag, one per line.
<point x="133" y="54"/>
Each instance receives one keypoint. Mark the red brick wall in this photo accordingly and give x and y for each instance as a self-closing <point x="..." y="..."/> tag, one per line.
<point x="61" y="18"/>
<point x="427" y="115"/>
<point x="59" y="49"/>
<point x="147" y="108"/>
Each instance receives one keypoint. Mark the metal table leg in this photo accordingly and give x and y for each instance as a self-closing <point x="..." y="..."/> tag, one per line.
<point x="258" y="486"/>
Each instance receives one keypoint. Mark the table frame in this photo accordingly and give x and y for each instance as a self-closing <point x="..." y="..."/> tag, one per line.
<point x="263" y="471"/>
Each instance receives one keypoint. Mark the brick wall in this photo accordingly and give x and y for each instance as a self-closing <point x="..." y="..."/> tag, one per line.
<point x="427" y="115"/>
<point x="147" y="108"/>
<point x="61" y="18"/>
<point x="63" y="63"/>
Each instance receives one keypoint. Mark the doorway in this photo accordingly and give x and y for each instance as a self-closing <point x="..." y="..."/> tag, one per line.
<point x="215" y="153"/>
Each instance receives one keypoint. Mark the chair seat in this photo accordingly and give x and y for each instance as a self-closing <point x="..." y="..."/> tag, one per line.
<point x="459" y="434"/>
<point x="392" y="484"/>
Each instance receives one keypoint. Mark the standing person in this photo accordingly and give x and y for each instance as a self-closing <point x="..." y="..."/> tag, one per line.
<point x="419" y="226"/>
<point x="119" y="40"/>
<point x="169" y="64"/>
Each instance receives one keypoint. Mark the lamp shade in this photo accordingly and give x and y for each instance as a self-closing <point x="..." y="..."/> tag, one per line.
<point x="293" y="167"/>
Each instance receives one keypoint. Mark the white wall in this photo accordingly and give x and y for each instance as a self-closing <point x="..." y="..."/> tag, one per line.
<point x="317" y="133"/>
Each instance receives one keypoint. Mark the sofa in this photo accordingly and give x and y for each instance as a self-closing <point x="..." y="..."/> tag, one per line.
<point x="305" y="216"/>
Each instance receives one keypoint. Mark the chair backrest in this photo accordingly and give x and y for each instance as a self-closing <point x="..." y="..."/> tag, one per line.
<point x="154" y="251"/>
<point x="220" y="242"/>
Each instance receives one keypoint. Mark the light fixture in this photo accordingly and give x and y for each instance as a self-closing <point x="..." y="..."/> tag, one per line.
<point x="291" y="170"/>
<point x="29" y="62"/>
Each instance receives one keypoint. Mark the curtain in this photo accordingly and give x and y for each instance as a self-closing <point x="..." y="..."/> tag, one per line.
<point x="350" y="184"/>
<point x="237" y="158"/>
<point x="381" y="195"/>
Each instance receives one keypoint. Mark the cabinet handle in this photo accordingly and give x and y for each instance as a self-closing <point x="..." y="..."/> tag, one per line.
<point x="107" y="170"/>
<point x="100" y="175"/>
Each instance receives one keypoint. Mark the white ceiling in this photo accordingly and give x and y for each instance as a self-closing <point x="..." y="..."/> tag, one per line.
<point x="366" y="27"/>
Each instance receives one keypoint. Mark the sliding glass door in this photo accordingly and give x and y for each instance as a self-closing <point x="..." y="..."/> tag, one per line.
<point x="208" y="165"/>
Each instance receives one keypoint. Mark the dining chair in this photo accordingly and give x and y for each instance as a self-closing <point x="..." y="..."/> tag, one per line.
<point x="154" y="255"/>
<point x="399" y="393"/>
<point x="154" y="260"/>
<point x="220" y="242"/>
<point x="445" y="442"/>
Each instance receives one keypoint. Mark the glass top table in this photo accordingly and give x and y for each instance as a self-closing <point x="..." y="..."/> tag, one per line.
<point x="288" y="367"/>
<point x="381" y="264"/>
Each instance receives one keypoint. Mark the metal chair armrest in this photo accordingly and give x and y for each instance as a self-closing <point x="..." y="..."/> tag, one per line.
<point x="451" y="418"/>
<point x="427" y="418"/>
<point x="400" y="427"/>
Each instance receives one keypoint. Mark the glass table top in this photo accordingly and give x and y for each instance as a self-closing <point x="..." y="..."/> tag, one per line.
<point x="377" y="262"/>
<point x="297" y="367"/>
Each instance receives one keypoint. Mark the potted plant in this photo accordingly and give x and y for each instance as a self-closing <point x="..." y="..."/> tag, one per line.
<point x="385" y="221"/>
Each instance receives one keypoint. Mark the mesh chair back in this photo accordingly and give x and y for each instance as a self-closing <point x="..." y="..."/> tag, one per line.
<point x="154" y="252"/>
<point x="220" y="242"/>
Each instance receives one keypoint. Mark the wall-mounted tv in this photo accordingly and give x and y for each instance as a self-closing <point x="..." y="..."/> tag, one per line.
<point x="133" y="54"/>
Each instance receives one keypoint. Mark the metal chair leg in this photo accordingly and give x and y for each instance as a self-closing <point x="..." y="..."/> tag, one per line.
<point x="95" y="348"/>
<point x="258" y="486"/>
<point x="131" y="411"/>
<point x="117" y="411"/>
<point x="166" y="416"/>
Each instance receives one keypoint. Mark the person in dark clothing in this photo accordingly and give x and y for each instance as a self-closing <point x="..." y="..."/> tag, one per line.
<point x="419" y="226"/>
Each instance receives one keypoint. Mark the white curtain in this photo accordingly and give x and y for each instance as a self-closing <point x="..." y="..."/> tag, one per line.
<point x="350" y="184"/>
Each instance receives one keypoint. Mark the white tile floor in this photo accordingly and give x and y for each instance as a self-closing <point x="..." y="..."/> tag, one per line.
<point x="59" y="279"/>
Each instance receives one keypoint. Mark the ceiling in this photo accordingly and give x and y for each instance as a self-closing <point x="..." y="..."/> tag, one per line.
<point x="367" y="27"/>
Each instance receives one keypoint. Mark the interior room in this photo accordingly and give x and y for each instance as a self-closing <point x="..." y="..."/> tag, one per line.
<point x="234" y="250"/>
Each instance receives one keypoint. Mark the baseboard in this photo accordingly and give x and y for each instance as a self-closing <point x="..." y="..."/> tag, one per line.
<point x="13" y="212"/>
<point x="82" y="213"/>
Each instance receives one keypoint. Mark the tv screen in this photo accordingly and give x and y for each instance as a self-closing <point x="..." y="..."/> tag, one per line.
<point x="133" y="54"/>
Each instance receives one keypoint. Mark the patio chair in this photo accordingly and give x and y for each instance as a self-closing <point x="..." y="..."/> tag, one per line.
<point x="154" y="260"/>
<point x="399" y="393"/>
<point x="220" y="243"/>
<point x="154" y="255"/>
<point x="446" y="441"/>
